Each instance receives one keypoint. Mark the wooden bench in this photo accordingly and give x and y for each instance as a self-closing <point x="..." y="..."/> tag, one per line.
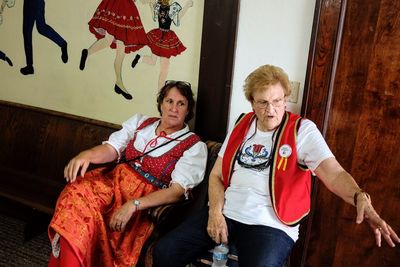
<point x="35" y="145"/>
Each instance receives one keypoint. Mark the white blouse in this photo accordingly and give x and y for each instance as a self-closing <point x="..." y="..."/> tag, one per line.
<point x="190" y="168"/>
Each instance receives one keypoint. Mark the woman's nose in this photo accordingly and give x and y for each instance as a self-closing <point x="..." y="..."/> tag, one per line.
<point x="269" y="107"/>
<point x="174" y="107"/>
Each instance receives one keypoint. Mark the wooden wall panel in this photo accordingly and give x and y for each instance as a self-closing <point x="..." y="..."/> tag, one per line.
<point x="362" y="125"/>
<point x="216" y="66"/>
<point x="35" y="145"/>
<point x="322" y="56"/>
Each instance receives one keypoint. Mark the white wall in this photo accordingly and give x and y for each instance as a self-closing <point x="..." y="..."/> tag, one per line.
<point x="273" y="32"/>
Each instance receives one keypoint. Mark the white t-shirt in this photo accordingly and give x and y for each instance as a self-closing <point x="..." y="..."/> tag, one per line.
<point x="190" y="168"/>
<point x="247" y="199"/>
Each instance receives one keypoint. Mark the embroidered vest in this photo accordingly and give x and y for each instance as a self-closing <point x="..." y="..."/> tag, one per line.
<point x="162" y="166"/>
<point x="289" y="183"/>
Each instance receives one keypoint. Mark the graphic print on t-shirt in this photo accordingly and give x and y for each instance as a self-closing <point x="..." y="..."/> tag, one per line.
<point x="254" y="156"/>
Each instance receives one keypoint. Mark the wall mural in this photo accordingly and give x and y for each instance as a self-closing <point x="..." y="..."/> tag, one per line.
<point x="34" y="14"/>
<point x="111" y="51"/>
<point x="163" y="41"/>
<point x="116" y="24"/>
<point x="9" y="4"/>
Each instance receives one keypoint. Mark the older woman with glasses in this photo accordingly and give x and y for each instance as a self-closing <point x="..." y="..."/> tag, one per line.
<point x="259" y="187"/>
<point x="100" y="218"/>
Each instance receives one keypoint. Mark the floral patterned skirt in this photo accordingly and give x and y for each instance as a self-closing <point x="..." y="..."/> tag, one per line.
<point x="83" y="212"/>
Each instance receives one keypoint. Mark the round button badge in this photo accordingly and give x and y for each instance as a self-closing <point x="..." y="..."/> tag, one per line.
<point x="285" y="151"/>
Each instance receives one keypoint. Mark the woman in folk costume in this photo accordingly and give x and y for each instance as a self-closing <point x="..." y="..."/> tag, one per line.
<point x="100" y="218"/>
<point x="163" y="42"/>
<point x="116" y="23"/>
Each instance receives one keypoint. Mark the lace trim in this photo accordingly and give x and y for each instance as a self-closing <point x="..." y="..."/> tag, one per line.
<point x="55" y="246"/>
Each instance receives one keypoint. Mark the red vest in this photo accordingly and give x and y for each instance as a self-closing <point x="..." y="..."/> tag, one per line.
<point x="289" y="183"/>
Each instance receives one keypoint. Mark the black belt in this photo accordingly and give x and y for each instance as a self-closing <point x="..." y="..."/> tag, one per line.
<point x="153" y="180"/>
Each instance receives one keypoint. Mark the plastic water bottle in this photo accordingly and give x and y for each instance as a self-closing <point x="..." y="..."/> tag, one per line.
<point x="220" y="255"/>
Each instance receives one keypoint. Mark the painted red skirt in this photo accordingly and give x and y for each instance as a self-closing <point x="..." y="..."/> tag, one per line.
<point x="119" y="18"/>
<point x="164" y="43"/>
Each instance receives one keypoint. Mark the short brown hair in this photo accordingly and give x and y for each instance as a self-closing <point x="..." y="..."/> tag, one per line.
<point x="184" y="89"/>
<point x="264" y="76"/>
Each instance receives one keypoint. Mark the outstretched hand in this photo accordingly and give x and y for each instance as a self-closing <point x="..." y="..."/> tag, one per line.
<point x="366" y="211"/>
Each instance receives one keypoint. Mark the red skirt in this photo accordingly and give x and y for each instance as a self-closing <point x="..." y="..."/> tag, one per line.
<point x="83" y="212"/>
<point x="119" y="18"/>
<point x="164" y="43"/>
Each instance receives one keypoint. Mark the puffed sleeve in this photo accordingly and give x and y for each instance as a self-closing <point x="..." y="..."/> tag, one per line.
<point x="190" y="168"/>
<point x="120" y="139"/>
<point x="174" y="10"/>
<point x="156" y="10"/>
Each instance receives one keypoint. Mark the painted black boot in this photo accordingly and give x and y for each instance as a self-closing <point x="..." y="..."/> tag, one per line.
<point x="83" y="59"/>
<point x="135" y="60"/>
<point x="27" y="70"/>
<point x="64" y="52"/>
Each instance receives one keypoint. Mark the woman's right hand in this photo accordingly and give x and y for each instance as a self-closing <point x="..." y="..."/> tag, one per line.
<point x="217" y="228"/>
<point x="98" y="154"/>
<point x="81" y="161"/>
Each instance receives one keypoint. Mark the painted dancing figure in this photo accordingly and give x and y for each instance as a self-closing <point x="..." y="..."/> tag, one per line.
<point x="163" y="42"/>
<point x="116" y="24"/>
<point x="33" y="11"/>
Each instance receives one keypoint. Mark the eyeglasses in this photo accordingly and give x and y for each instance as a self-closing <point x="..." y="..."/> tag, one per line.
<point x="182" y="83"/>
<point x="264" y="104"/>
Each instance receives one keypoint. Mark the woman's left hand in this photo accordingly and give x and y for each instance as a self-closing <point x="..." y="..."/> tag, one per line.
<point x="121" y="217"/>
<point x="366" y="211"/>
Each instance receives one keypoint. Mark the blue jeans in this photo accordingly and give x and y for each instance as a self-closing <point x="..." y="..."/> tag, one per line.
<point x="256" y="245"/>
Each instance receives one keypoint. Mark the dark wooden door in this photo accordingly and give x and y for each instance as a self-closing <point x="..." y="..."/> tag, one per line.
<point x="353" y="94"/>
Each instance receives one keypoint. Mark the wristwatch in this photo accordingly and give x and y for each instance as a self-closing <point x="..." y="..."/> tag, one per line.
<point x="136" y="202"/>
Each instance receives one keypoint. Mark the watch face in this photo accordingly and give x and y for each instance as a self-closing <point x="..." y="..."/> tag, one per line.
<point x="136" y="202"/>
